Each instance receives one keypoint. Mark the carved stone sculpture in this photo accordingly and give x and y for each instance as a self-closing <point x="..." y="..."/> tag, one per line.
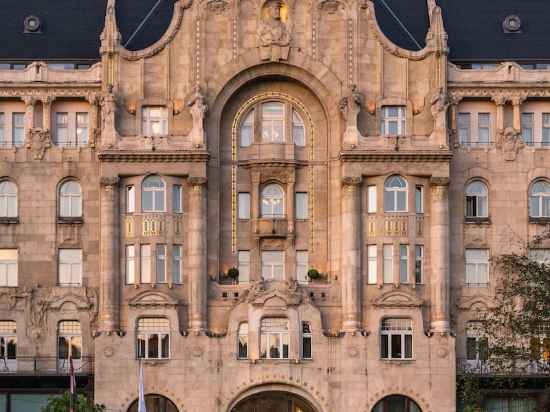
<point x="108" y="111"/>
<point x="273" y="31"/>
<point x="350" y="106"/>
<point x="198" y="109"/>
<point x="439" y="104"/>
<point x="511" y="143"/>
<point x="38" y="142"/>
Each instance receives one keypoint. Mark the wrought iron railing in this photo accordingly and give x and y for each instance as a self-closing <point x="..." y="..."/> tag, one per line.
<point x="46" y="365"/>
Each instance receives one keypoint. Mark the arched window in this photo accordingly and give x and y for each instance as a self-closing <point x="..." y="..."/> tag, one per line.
<point x="273" y="201"/>
<point x="153" y="338"/>
<point x="395" y="194"/>
<point x="247" y="130"/>
<point x="242" y="352"/>
<point x="298" y="129"/>
<point x="273" y="122"/>
<point x="8" y="199"/>
<point x="274" y="338"/>
<point x="69" y="344"/>
<point x="152" y="194"/>
<point x="70" y="199"/>
<point x="477" y="199"/>
<point x="539" y="199"/>
<point x="396" y="403"/>
<point x="396" y="338"/>
<point x="155" y="403"/>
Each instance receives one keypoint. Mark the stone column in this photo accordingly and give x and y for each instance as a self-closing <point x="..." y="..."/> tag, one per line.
<point x="94" y="131"/>
<point x="47" y="112"/>
<point x="198" y="278"/>
<point x="499" y="101"/>
<point x="351" y="253"/>
<point x="454" y="101"/>
<point x="516" y="103"/>
<point x="440" y="255"/>
<point x="29" y="111"/>
<point x="109" y="284"/>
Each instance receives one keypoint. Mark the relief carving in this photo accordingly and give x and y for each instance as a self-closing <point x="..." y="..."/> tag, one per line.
<point x="261" y="291"/>
<point x="511" y="143"/>
<point x="38" y="142"/>
<point x="439" y="104"/>
<point x="108" y="110"/>
<point x="217" y="6"/>
<point x="330" y="6"/>
<point x="273" y="31"/>
<point x="198" y="109"/>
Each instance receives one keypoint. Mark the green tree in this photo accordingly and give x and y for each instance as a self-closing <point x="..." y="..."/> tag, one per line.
<point x="61" y="403"/>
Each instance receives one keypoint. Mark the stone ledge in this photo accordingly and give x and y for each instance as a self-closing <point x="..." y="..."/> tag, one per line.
<point x="157" y="156"/>
<point x="395" y="156"/>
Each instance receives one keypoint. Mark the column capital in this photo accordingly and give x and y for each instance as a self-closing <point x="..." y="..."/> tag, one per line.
<point x="109" y="181"/>
<point x="518" y="99"/>
<point x="46" y="99"/>
<point x="439" y="181"/>
<point x="197" y="181"/>
<point x="29" y="100"/>
<point x="351" y="181"/>
<point x="93" y="98"/>
<point x="500" y="99"/>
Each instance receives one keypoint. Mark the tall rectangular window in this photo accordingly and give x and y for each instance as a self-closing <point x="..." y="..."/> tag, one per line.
<point x="82" y="127"/>
<point x="307" y="338"/>
<point x="302" y="261"/>
<point x="464" y="128"/>
<point x="130" y="199"/>
<point x="546" y="129"/>
<point x="273" y="265"/>
<point x="527" y="128"/>
<point x="62" y="129"/>
<point x="244" y="265"/>
<point x="2" y="130"/>
<point x="145" y="263"/>
<point x="177" y="199"/>
<point x="372" y="266"/>
<point x="243" y="341"/>
<point x="70" y="267"/>
<point x="419" y="199"/>
<point x="477" y="267"/>
<point x="18" y="129"/>
<point x="8" y="267"/>
<point x="484" y="128"/>
<point x="153" y="338"/>
<point x="371" y="199"/>
<point x="302" y="207"/>
<point x="154" y="121"/>
<point x="130" y="264"/>
<point x="161" y="263"/>
<point x="393" y="121"/>
<point x="244" y="205"/>
<point x="8" y="347"/>
<point x="69" y="344"/>
<point x="388" y="264"/>
<point x="403" y="263"/>
<point x="177" y="252"/>
<point x="418" y="263"/>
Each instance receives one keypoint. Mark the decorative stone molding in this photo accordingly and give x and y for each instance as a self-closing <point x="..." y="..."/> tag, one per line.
<point x="509" y="93"/>
<point x="330" y="6"/>
<point x="153" y="157"/>
<point x="217" y="6"/>
<point x="47" y="92"/>
<point x="109" y="181"/>
<point x="439" y="181"/>
<point x="274" y="30"/>
<point x="397" y="389"/>
<point x="511" y="142"/>
<point x="397" y="299"/>
<point x="261" y="291"/>
<point x="38" y="141"/>
<point x="399" y="156"/>
<point x="153" y="300"/>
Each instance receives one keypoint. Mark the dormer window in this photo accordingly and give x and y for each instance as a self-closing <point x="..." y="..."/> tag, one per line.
<point x="154" y="121"/>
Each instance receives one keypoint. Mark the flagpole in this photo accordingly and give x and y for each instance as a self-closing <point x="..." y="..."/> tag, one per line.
<point x="141" y="398"/>
<point x="72" y="385"/>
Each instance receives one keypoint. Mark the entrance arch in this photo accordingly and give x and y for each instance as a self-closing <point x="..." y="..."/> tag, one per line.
<point x="155" y="403"/>
<point x="273" y="401"/>
<point x="396" y="403"/>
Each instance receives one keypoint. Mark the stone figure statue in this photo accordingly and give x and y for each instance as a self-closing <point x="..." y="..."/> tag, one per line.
<point x="108" y="109"/>
<point x="350" y="106"/>
<point x="273" y="32"/>
<point x="439" y="104"/>
<point x="198" y="109"/>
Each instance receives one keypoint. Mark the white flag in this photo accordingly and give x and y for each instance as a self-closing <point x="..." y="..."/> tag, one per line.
<point x="141" y="401"/>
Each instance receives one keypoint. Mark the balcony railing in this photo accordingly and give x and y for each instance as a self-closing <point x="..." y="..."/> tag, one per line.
<point x="44" y="365"/>
<point x="523" y="368"/>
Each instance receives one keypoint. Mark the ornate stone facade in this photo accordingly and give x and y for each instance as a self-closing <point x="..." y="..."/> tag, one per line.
<point x="331" y="75"/>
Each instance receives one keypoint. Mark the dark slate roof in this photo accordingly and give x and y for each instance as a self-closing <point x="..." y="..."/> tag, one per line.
<point x="414" y="16"/>
<point x="475" y="29"/>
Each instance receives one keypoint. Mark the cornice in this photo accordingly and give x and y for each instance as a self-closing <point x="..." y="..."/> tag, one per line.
<point x="68" y="90"/>
<point x="396" y="156"/>
<point x="272" y="163"/>
<point x="157" y="156"/>
<point x="461" y="90"/>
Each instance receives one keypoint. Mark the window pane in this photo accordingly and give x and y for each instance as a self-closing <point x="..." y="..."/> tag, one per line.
<point x="147" y="201"/>
<point x="177" y="199"/>
<point x="419" y="199"/>
<point x="274" y="346"/>
<point x="273" y="122"/>
<point x="272" y="201"/>
<point x="384" y="349"/>
<point x="403" y="263"/>
<point x="285" y="346"/>
<point x="388" y="263"/>
<point x="145" y="263"/>
<point x="159" y="201"/>
<point x="76" y="347"/>
<point x="298" y="130"/>
<point x="130" y="199"/>
<point x="306" y="347"/>
<point x="63" y="348"/>
<point x="301" y="266"/>
<point x="419" y="252"/>
<point x="471" y="348"/>
<point x="396" y="346"/>
<point x="244" y="266"/>
<point x="161" y="263"/>
<point x="141" y="346"/>
<point x="372" y="264"/>
<point x="408" y="346"/>
<point x="165" y="346"/>
<point x="177" y="252"/>
<point x="371" y="199"/>
<point x="389" y="201"/>
<point x="401" y="201"/>
<point x="153" y="346"/>
<point x="244" y="205"/>
<point x="302" y="205"/>
<point x="247" y="130"/>
<point x="130" y="264"/>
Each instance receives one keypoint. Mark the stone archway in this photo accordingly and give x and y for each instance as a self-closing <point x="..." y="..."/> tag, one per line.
<point x="155" y="403"/>
<point x="273" y="401"/>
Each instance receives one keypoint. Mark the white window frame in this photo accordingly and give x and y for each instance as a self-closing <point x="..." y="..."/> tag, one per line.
<point x="130" y="269"/>
<point x="302" y="264"/>
<point x="148" y="327"/>
<point x="60" y="141"/>
<point x="541" y="198"/>
<point x="477" y="279"/>
<point x="270" y="268"/>
<point x="372" y="198"/>
<point x="82" y="129"/>
<point x="277" y="332"/>
<point x="71" y="331"/>
<point x="148" y="120"/>
<point x="272" y="206"/>
<point x="302" y="205"/>
<point x="177" y="199"/>
<point x="527" y="124"/>
<point x="130" y="199"/>
<point x="480" y="127"/>
<point x="243" y="204"/>
<point x="70" y="203"/>
<point x="464" y="127"/>
<point x="372" y="266"/>
<point x="419" y="199"/>
<point x="177" y="263"/>
<point x="70" y="259"/>
<point x="269" y="123"/>
<point x="419" y="264"/>
<point x="387" y="119"/>
<point x="16" y="127"/>
<point x="242" y="339"/>
<point x="480" y="200"/>
<point x="8" y="199"/>
<point x="474" y="333"/>
<point x="160" y="263"/>
<point x="153" y="190"/>
<point x="243" y="258"/>
<point x="145" y="263"/>
<point x="8" y="336"/>
<point x="387" y="263"/>
<point x="404" y="264"/>
<point x="298" y="124"/>
<point x="396" y="327"/>
<point x="247" y="123"/>
<point x="394" y="192"/>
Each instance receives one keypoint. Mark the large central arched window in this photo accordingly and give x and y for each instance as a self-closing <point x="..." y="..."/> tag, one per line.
<point x="273" y="201"/>
<point x="272" y="122"/>
<point x="152" y="194"/>
<point x="396" y="403"/>
<point x="155" y="403"/>
<point x="395" y="194"/>
<point x="539" y="199"/>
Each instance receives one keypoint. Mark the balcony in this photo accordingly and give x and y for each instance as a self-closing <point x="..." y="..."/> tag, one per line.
<point x="521" y="368"/>
<point x="45" y="366"/>
<point x="272" y="227"/>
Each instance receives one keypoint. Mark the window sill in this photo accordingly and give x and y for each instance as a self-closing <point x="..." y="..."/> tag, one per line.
<point x="154" y="362"/>
<point x="9" y="220"/>
<point x="539" y="220"/>
<point x="398" y="361"/>
<point x="477" y="220"/>
<point x="69" y="285"/>
<point x="70" y="220"/>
